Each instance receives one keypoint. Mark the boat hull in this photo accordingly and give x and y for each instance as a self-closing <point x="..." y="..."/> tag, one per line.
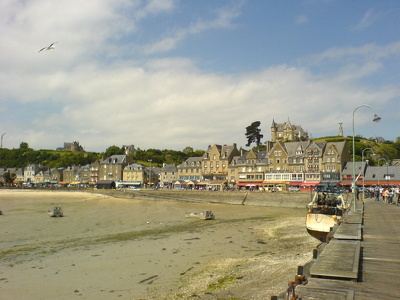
<point x="319" y="225"/>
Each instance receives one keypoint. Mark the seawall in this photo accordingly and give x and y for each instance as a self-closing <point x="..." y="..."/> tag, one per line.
<point x="277" y="199"/>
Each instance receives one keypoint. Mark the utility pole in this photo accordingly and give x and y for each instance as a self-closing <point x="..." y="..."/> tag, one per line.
<point x="2" y="139"/>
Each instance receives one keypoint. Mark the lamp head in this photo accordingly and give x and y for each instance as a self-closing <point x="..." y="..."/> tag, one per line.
<point x="376" y="118"/>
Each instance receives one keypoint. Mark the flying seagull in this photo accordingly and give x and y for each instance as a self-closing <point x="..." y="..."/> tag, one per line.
<point x="52" y="46"/>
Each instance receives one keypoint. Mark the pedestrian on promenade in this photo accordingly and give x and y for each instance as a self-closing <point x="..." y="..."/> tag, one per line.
<point x="377" y="193"/>
<point x="398" y="196"/>
<point x="385" y="195"/>
<point x="390" y="196"/>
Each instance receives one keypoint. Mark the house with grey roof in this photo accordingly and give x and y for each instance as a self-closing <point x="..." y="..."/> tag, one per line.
<point x="112" y="167"/>
<point x="168" y="175"/>
<point x="382" y="175"/>
<point x="347" y="172"/>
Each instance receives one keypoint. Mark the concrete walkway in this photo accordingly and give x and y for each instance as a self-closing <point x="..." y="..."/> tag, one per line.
<point x="379" y="261"/>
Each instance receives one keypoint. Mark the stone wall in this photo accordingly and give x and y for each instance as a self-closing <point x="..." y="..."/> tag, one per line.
<point x="278" y="199"/>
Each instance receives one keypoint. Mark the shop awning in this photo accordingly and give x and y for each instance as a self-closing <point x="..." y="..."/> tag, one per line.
<point x="381" y="182"/>
<point x="307" y="183"/>
<point x="217" y="182"/>
<point x="275" y="182"/>
<point x="249" y="183"/>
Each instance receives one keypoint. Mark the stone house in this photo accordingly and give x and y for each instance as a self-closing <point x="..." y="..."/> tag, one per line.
<point x="31" y="170"/>
<point x="191" y="169"/>
<point x="84" y="174"/>
<point x="134" y="175"/>
<point x="250" y="167"/>
<point x="287" y="132"/>
<point x="313" y="161"/>
<point x="168" y="175"/>
<point x="215" y="164"/>
<point x="71" y="174"/>
<point x="112" y="167"/>
<point x="94" y="173"/>
<point x="335" y="157"/>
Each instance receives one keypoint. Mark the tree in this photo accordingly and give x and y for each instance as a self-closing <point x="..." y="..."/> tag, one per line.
<point x="253" y="134"/>
<point x="188" y="150"/>
<point x="23" y="145"/>
<point x="9" y="178"/>
<point x="113" y="150"/>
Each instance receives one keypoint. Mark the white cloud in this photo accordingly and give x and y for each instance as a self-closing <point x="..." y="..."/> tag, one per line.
<point x="163" y="106"/>
<point x="369" y="18"/>
<point x="223" y="19"/>
<point x="92" y="87"/>
<point x="301" y="19"/>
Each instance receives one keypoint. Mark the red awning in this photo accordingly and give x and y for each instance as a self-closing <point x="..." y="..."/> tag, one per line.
<point x="275" y="182"/>
<point x="307" y="183"/>
<point x="249" y="183"/>
<point x="381" y="182"/>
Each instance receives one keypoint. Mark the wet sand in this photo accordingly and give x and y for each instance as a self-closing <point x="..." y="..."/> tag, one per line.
<point x="109" y="248"/>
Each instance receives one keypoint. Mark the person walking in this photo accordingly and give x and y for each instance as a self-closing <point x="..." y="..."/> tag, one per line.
<point x="385" y="195"/>
<point x="377" y="193"/>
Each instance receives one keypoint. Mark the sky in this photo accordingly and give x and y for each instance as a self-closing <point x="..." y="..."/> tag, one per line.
<point x="171" y="74"/>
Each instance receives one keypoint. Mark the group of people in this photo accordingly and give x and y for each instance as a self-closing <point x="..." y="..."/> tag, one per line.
<point x="390" y="195"/>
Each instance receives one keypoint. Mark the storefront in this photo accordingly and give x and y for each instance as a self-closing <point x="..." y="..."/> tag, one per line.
<point x="306" y="185"/>
<point x="249" y="185"/>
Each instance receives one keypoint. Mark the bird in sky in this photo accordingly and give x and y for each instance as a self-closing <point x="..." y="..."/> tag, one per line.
<point x="52" y="46"/>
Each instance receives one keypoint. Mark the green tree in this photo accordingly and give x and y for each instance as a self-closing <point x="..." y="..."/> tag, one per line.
<point x="188" y="150"/>
<point x="23" y="145"/>
<point x="9" y="178"/>
<point x="113" y="150"/>
<point x="253" y="134"/>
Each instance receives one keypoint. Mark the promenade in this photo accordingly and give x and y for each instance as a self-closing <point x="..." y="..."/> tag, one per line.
<point x="362" y="261"/>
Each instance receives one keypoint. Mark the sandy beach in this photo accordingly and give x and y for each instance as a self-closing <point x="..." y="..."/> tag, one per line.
<point x="109" y="248"/>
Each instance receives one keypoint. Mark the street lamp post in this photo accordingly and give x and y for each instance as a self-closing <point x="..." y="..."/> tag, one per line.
<point x="150" y="160"/>
<point x="362" y="165"/>
<point x="387" y="169"/>
<point x="376" y="119"/>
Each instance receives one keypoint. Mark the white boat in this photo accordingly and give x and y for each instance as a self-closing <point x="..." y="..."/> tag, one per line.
<point x="205" y="215"/>
<point x="325" y="211"/>
<point x="56" y="212"/>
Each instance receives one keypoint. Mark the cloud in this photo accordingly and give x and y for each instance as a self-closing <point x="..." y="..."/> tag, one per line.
<point x="354" y="62"/>
<point x="301" y="19"/>
<point x="369" y="18"/>
<point x="171" y="103"/>
<point x="95" y="89"/>
<point x="223" y="19"/>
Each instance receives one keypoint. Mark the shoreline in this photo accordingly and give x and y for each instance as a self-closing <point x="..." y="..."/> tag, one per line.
<point x="139" y="249"/>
